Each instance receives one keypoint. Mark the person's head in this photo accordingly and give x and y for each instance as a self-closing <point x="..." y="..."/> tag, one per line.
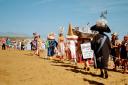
<point x="35" y="38"/>
<point x="60" y="34"/>
<point x="114" y="36"/>
<point x="126" y="38"/>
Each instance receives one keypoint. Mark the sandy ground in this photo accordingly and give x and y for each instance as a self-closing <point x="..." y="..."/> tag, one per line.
<point x="22" y="68"/>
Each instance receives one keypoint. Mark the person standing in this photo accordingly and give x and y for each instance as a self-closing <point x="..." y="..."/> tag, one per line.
<point x="72" y="47"/>
<point x="115" y="47"/>
<point x="61" y="46"/>
<point x="19" y="45"/>
<point x="124" y="53"/>
<point x="51" y="44"/>
<point x="101" y="46"/>
<point x="22" y="45"/>
<point x="39" y="46"/>
<point x="72" y="40"/>
<point x="3" y="44"/>
<point x="8" y="43"/>
<point x="124" y="48"/>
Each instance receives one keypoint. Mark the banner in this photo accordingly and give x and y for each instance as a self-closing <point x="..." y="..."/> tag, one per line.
<point x="86" y="50"/>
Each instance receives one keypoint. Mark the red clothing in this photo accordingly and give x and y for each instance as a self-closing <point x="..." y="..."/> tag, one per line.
<point x="3" y="40"/>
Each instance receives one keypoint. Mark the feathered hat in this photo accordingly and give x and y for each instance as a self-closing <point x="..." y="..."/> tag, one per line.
<point x="101" y="26"/>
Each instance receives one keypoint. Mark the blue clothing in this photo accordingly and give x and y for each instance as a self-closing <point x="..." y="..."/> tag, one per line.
<point x="52" y="44"/>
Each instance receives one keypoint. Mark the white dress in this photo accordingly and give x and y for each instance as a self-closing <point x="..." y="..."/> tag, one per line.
<point x="72" y="47"/>
<point x="62" y="51"/>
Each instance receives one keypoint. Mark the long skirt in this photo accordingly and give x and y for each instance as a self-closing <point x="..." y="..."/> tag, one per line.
<point x="73" y="51"/>
<point x="62" y="48"/>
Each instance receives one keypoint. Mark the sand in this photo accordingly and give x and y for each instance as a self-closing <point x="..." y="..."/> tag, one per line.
<point x="23" y="68"/>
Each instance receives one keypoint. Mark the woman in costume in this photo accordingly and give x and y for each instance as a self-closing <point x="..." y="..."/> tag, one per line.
<point x="39" y="45"/>
<point x="72" y="40"/>
<point x="61" y="46"/>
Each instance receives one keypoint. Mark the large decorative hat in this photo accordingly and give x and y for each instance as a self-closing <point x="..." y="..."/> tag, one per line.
<point x="70" y="34"/>
<point x="101" y="26"/>
<point x="101" y="23"/>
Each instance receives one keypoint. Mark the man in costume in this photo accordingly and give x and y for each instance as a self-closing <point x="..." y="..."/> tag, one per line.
<point x="115" y="48"/>
<point x="101" y="46"/>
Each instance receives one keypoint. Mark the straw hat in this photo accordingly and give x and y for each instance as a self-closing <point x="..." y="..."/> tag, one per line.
<point x="51" y="36"/>
<point x="70" y="34"/>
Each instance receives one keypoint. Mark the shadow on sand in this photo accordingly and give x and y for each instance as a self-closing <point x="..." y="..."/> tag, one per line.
<point x="57" y="61"/>
<point x="92" y="82"/>
<point x="75" y="69"/>
<point x="118" y="71"/>
<point x="29" y="54"/>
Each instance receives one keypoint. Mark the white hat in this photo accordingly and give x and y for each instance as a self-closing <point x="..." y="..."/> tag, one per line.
<point x="101" y="23"/>
<point x="115" y="33"/>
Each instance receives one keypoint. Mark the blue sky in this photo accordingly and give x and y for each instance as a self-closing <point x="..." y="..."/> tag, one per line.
<point x="44" y="16"/>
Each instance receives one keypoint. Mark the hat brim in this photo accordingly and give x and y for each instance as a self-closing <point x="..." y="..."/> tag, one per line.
<point x="51" y="37"/>
<point x="100" y="29"/>
<point x="73" y="37"/>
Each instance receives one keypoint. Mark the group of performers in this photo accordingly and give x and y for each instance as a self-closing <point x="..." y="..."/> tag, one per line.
<point x="102" y="46"/>
<point x="63" y="46"/>
<point x="119" y="51"/>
